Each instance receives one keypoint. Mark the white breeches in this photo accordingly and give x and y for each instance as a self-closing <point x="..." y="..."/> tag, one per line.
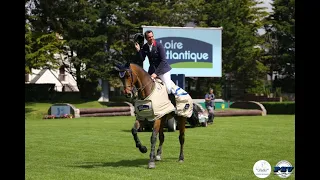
<point x="166" y="78"/>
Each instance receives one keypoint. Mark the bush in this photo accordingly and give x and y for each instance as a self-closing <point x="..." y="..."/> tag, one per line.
<point x="38" y="92"/>
<point x="279" y="107"/>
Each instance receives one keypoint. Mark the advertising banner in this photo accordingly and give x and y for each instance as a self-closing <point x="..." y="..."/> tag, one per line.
<point x="192" y="51"/>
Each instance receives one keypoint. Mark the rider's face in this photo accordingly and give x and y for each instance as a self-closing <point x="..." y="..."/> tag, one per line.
<point x="149" y="38"/>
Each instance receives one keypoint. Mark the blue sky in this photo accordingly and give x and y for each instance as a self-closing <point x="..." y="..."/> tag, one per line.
<point x="266" y="3"/>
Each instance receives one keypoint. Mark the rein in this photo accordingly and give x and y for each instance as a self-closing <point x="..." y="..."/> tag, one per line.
<point x="133" y="89"/>
<point x="144" y="86"/>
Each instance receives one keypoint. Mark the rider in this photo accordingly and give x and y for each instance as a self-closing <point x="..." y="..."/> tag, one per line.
<point x="159" y="66"/>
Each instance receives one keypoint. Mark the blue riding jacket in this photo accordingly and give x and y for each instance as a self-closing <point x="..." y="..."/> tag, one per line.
<point x="157" y="58"/>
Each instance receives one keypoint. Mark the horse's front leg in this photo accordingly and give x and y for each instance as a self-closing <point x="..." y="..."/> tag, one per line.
<point x="161" y="139"/>
<point x="134" y="132"/>
<point x="182" y="127"/>
<point x="153" y="139"/>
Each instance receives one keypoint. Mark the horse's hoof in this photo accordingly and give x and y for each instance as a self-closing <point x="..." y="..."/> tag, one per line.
<point x="158" y="158"/>
<point x="152" y="165"/>
<point x="143" y="149"/>
<point x="181" y="161"/>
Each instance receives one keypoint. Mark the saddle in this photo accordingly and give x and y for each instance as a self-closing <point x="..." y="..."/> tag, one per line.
<point x="171" y="96"/>
<point x="155" y="105"/>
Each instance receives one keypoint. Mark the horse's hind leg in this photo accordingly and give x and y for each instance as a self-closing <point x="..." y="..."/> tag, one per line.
<point x="161" y="139"/>
<point x="134" y="131"/>
<point x="182" y="127"/>
<point x="153" y="139"/>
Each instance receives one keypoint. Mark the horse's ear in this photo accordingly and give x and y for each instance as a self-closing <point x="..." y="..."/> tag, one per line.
<point x="116" y="68"/>
<point x="127" y="65"/>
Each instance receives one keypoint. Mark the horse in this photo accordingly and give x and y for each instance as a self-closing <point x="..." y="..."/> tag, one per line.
<point x="139" y="86"/>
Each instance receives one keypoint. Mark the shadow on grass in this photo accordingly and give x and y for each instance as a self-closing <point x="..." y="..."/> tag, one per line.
<point x="124" y="130"/>
<point x="165" y="129"/>
<point x="29" y="103"/>
<point x="122" y="163"/>
<point x="28" y="110"/>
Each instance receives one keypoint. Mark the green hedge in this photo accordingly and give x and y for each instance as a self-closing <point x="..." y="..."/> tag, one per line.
<point x="38" y="92"/>
<point x="279" y="107"/>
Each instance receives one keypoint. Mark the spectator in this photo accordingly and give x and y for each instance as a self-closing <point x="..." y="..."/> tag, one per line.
<point x="209" y="102"/>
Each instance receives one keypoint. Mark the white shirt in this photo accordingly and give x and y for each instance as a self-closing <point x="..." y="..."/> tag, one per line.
<point x="150" y="46"/>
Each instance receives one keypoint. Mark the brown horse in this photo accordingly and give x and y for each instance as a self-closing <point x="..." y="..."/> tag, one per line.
<point x="139" y="84"/>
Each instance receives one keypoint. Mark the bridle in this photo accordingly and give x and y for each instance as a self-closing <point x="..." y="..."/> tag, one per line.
<point x="132" y="88"/>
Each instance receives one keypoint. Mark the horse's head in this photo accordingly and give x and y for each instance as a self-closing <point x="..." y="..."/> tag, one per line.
<point x="136" y="80"/>
<point x="128" y="79"/>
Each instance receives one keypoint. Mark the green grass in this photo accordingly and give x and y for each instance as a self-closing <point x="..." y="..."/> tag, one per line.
<point x="103" y="148"/>
<point x="192" y="65"/>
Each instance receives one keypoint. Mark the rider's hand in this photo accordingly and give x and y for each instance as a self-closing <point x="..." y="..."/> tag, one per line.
<point x="153" y="75"/>
<point x="137" y="46"/>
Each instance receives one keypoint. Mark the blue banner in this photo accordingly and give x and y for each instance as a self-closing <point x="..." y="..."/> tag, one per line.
<point x="194" y="52"/>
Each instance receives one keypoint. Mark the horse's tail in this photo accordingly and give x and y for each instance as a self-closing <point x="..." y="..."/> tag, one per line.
<point x="134" y="132"/>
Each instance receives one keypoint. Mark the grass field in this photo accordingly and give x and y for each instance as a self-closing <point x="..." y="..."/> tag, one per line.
<point x="103" y="148"/>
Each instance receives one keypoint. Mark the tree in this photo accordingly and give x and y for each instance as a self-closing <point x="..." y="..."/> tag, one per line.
<point x="280" y="33"/>
<point x="240" y="52"/>
<point x="128" y="17"/>
<point x="80" y="25"/>
<point x="40" y="46"/>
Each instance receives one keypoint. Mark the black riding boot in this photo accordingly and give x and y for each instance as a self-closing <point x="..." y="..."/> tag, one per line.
<point x="172" y="99"/>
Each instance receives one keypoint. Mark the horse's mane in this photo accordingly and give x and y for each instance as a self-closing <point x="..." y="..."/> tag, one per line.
<point x="145" y="78"/>
<point x="140" y="69"/>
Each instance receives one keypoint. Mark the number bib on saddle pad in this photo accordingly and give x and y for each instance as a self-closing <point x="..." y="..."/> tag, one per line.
<point x="144" y="108"/>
